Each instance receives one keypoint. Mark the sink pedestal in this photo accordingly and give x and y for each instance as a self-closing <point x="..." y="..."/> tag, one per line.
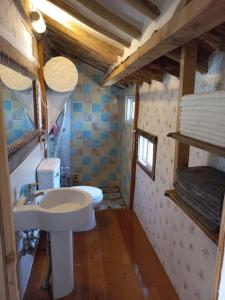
<point x="62" y="263"/>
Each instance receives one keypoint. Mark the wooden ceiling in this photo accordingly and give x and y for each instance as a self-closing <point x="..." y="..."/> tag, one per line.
<point x="208" y="42"/>
<point x="100" y="46"/>
<point x="89" y="40"/>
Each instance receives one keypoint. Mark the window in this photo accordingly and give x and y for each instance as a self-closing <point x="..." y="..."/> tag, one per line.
<point x="130" y="107"/>
<point x="146" y="152"/>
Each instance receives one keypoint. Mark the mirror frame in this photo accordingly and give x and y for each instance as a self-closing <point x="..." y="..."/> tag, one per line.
<point x="22" y="147"/>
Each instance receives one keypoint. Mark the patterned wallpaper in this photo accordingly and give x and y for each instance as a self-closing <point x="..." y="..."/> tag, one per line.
<point x="186" y="253"/>
<point x="95" y="134"/>
<point x="16" y="121"/>
<point x="125" y="150"/>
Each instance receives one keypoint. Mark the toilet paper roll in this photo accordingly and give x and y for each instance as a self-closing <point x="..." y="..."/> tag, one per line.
<point x="43" y="139"/>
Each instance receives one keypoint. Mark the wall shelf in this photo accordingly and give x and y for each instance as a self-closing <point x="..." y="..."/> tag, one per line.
<point x="197" y="143"/>
<point x="179" y="202"/>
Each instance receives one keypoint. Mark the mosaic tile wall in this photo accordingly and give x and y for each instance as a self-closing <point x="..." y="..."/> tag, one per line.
<point x="186" y="253"/>
<point x="16" y="121"/>
<point x="126" y="143"/>
<point x="95" y="122"/>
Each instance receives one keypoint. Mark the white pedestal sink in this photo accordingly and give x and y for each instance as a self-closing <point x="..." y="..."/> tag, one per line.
<point x="59" y="211"/>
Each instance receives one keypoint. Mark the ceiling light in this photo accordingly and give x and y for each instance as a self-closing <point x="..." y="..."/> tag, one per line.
<point x="37" y="21"/>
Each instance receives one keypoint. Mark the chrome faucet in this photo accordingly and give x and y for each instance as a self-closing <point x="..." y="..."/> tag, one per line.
<point x="30" y="197"/>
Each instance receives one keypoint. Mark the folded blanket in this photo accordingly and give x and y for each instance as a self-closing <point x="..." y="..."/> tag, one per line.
<point x="208" y="224"/>
<point x="208" y="108"/>
<point x="212" y="98"/>
<point x="205" y="129"/>
<point x="203" y="114"/>
<point x="203" y="137"/>
<point x="212" y="204"/>
<point x="201" y="122"/>
<point x="202" y="205"/>
<point x="207" y="181"/>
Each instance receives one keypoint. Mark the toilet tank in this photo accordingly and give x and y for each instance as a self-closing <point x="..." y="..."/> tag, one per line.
<point x="48" y="174"/>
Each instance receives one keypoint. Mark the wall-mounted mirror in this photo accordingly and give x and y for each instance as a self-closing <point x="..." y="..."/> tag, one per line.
<point x="18" y="96"/>
<point x="18" y="104"/>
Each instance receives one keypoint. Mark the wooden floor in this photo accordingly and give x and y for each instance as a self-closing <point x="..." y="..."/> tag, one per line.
<point x="115" y="261"/>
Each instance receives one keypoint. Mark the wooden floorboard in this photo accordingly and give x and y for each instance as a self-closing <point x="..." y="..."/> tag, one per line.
<point x="115" y="261"/>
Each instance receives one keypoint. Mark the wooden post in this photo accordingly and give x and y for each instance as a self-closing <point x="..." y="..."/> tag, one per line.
<point x="133" y="161"/>
<point x="42" y="84"/>
<point x="8" y="277"/>
<point x="44" y="103"/>
<point x="187" y="84"/>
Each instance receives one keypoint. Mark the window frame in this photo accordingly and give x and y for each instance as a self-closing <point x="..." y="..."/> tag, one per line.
<point x="130" y="102"/>
<point x="154" y="140"/>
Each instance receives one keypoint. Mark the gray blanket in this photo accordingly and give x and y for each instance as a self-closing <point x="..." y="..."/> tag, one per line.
<point x="206" y="212"/>
<point x="207" y="182"/>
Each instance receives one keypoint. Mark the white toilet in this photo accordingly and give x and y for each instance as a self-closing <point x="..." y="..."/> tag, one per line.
<point x="48" y="175"/>
<point x="97" y="198"/>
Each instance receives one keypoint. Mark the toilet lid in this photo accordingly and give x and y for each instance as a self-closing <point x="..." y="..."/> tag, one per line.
<point x="96" y="193"/>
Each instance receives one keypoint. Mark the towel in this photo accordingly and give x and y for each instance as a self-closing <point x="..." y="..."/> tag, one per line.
<point x="206" y="181"/>
<point x="208" y="224"/>
<point x="204" y="137"/>
<point x="209" y="208"/>
<point x="212" y="98"/>
<point x="205" y="129"/>
<point x="203" y="113"/>
<point x="196" y="206"/>
<point x="206" y="108"/>
<point x="201" y="122"/>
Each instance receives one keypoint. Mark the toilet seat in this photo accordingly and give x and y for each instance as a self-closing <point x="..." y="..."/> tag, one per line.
<point x="96" y="193"/>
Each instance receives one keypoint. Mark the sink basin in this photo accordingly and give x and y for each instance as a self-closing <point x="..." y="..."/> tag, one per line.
<point x="60" y="209"/>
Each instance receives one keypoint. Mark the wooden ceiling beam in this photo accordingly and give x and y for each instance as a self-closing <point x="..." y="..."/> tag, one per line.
<point x="193" y="20"/>
<point x="213" y="39"/>
<point x="68" y="47"/>
<point x="166" y="65"/>
<point x="110" y="17"/>
<point x="97" y="47"/>
<point x="82" y="18"/>
<point x="146" y="7"/>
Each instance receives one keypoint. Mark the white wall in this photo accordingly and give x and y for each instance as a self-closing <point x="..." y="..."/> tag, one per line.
<point x="25" y="173"/>
<point x="186" y="253"/>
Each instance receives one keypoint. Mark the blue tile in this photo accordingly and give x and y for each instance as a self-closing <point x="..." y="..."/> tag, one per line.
<point x="113" y="152"/>
<point x="95" y="169"/>
<point x="78" y="126"/>
<point x="104" y="135"/>
<point x="87" y="160"/>
<point x="96" y="107"/>
<point x="78" y="107"/>
<point x="96" y="144"/>
<point x="87" y="88"/>
<point x="105" y="117"/>
<point x="97" y="78"/>
<point x="7" y="105"/>
<point x="114" y="126"/>
<point x="18" y="134"/>
<point x="86" y="177"/>
<point x="103" y="161"/>
<point x="112" y="176"/>
<point x="87" y="134"/>
<point x="105" y="98"/>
